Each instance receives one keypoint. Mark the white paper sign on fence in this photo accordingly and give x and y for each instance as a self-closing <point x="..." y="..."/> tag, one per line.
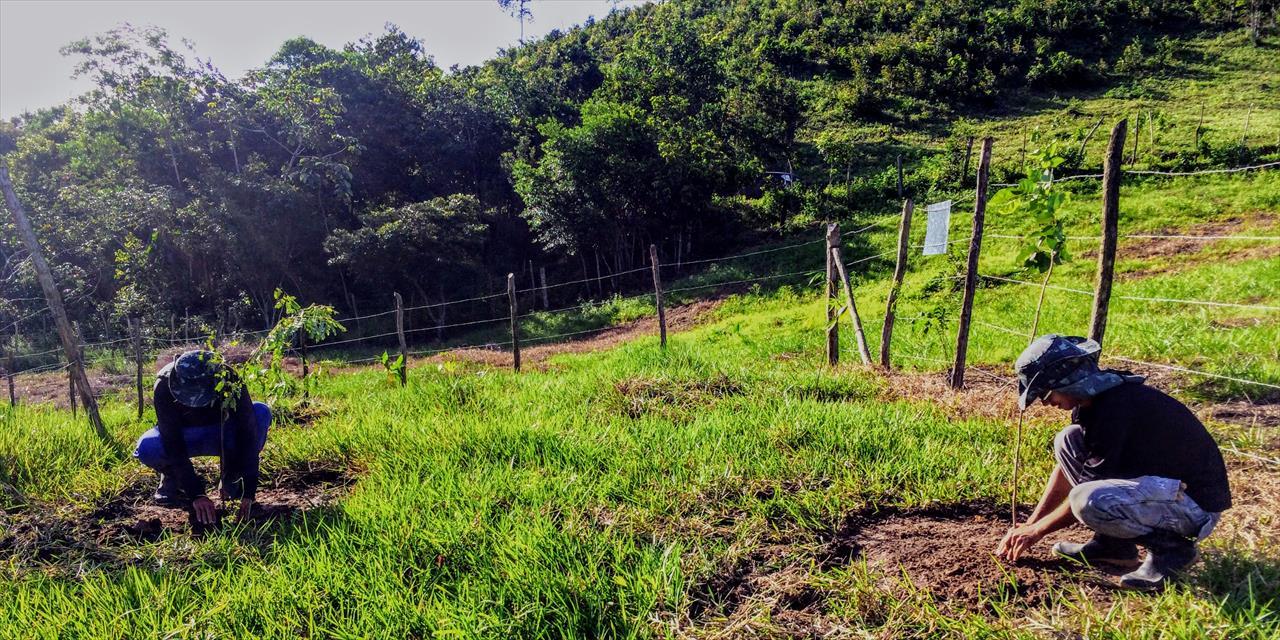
<point x="935" y="237"/>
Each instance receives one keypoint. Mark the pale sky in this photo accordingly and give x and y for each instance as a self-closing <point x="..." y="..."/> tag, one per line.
<point x="241" y="34"/>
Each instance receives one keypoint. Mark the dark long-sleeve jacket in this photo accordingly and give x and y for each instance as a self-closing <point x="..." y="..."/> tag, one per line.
<point x="240" y="460"/>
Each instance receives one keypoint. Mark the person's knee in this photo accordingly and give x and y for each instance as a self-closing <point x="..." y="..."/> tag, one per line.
<point x="1101" y="506"/>
<point x="263" y="414"/>
<point x="150" y="450"/>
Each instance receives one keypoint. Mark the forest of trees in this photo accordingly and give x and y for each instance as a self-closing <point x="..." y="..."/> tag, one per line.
<point x="339" y="175"/>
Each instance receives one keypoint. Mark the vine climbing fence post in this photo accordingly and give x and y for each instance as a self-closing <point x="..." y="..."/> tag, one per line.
<point x="833" y="331"/>
<point x="1110" y="231"/>
<point x="54" y="299"/>
<point x="899" y="272"/>
<point x="971" y="270"/>
<point x="657" y="296"/>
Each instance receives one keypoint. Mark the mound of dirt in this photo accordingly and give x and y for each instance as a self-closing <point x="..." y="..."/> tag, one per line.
<point x="110" y="533"/>
<point x="948" y="551"/>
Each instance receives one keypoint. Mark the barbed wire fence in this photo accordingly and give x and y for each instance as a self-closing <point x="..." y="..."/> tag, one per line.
<point x="118" y="349"/>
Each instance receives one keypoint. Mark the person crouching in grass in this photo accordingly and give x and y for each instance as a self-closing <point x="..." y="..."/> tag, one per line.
<point x="1136" y="466"/>
<point x="194" y="418"/>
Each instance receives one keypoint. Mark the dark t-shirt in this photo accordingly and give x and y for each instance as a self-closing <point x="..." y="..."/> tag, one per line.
<point x="1135" y="430"/>
<point x="241" y="464"/>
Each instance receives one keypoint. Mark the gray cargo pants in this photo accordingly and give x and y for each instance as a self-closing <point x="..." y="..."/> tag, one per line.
<point x="1129" y="508"/>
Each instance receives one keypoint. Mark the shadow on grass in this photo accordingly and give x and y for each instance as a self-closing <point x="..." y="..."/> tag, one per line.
<point x="1245" y="583"/>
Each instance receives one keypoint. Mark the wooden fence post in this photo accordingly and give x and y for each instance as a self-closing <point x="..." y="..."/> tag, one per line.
<point x="1199" y="125"/>
<point x="71" y="378"/>
<point x="863" y="352"/>
<point x="302" y="343"/>
<point x="968" y="153"/>
<point x="542" y="274"/>
<point x="971" y="271"/>
<point x="1085" y="143"/>
<point x="9" y="368"/>
<point x="404" y="349"/>
<point x="1137" y="135"/>
<point x="833" y="331"/>
<point x="515" y="325"/>
<point x="135" y="331"/>
<point x="899" y="271"/>
<point x="1110" y="224"/>
<point x="657" y="295"/>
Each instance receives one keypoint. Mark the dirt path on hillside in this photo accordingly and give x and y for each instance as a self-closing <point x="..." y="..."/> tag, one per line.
<point x="678" y="319"/>
<point x="1180" y="249"/>
<point x="52" y="388"/>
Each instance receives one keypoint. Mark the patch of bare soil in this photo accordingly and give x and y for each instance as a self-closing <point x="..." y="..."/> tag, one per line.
<point x="947" y="550"/>
<point x="678" y="318"/>
<point x="53" y="388"/>
<point x="987" y="393"/>
<point x="775" y="590"/>
<point x="111" y="533"/>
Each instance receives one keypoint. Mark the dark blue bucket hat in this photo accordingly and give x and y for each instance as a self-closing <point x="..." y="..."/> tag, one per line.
<point x="193" y="378"/>
<point x="1067" y="364"/>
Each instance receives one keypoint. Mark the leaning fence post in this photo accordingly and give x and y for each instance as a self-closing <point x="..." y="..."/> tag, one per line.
<point x="1110" y="224"/>
<point x="899" y="271"/>
<point x="971" y="270"/>
<point x="859" y="336"/>
<point x="135" y="331"/>
<point x="833" y="331"/>
<point x="657" y="295"/>
<point x="404" y="349"/>
<point x="515" y="326"/>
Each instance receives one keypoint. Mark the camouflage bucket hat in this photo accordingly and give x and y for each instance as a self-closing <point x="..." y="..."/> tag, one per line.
<point x="1068" y="364"/>
<point x="192" y="378"/>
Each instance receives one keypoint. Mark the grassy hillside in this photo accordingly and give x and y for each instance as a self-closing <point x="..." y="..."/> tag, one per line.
<point x="728" y="486"/>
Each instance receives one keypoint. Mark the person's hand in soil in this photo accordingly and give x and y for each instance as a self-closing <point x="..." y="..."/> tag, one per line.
<point x="1018" y="541"/>
<point x="246" y="510"/>
<point x="206" y="512"/>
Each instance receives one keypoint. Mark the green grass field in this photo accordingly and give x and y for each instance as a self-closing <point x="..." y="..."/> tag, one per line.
<point x="623" y="493"/>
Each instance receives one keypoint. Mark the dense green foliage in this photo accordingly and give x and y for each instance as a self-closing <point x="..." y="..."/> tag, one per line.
<point x="339" y="174"/>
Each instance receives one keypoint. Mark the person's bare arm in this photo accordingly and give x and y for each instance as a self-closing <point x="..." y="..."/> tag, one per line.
<point x="1051" y="514"/>
<point x="1055" y="494"/>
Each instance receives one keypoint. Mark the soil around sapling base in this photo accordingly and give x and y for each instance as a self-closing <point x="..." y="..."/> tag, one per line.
<point x="949" y="551"/>
<point x="943" y="551"/>
<point x="113" y="533"/>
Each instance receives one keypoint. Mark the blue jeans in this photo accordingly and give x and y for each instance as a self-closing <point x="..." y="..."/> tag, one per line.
<point x="201" y="441"/>
<point x="1127" y="508"/>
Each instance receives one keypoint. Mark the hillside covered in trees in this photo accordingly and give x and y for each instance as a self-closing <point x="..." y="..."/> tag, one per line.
<point x="340" y="175"/>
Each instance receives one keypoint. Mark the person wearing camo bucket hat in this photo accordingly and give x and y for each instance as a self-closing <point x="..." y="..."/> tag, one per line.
<point x="1135" y="466"/>
<point x="193" y="420"/>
